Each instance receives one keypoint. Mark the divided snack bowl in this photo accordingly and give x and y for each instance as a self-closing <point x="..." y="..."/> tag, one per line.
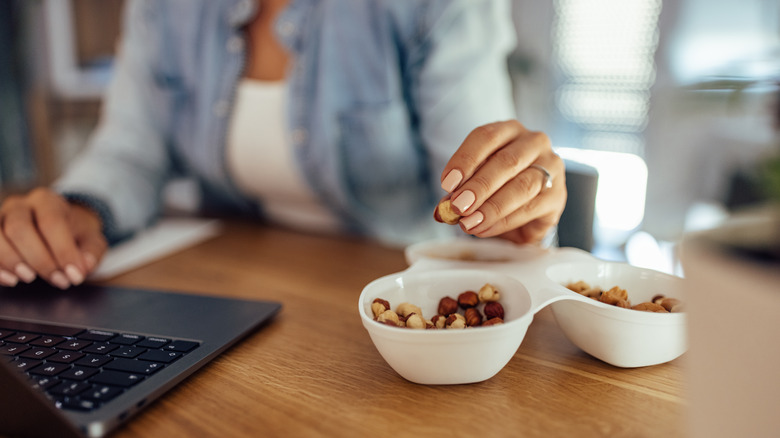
<point x="446" y="356"/>
<point x="621" y="337"/>
<point x="529" y="279"/>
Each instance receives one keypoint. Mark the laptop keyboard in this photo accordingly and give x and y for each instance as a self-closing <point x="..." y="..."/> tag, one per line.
<point x="82" y="369"/>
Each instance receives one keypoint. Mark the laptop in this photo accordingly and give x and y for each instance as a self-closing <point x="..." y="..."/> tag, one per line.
<point x="81" y="362"/>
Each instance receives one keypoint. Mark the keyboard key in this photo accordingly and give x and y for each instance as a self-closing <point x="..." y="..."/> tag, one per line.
<point x="117" y="378"/>
<point x="35" y="327"/>
<point x="47" y="341"/>
<point x="97" y="335"/>
<point x="153" y="343"/>
<point x="160" y="356"/>
<point x="66" y="356"/>
<point x="78" y="373"/>
<point x="38" y="353"/>
<point x="6" y="333"/>
<point x="22" y="338"/>
<point x="102" y="393"/>
<point x="94" y="361"/>
<point x="49" y="369"/>
<point x="74" y="344"/>
<point x="76" y="404"/>
<point x="70" y="388"/>
<point x="183" y="346"/>
<point x="127" y="339"/>
<point x="26" y="364"/>
<point x="45" y="382"/>
<point x="13" y="349"/>
<point x="100" y="348"/>
<point x="129" y="352"/>
<point x="134" y="366"/>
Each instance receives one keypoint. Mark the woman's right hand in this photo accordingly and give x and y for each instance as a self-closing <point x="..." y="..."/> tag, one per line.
<point x="41" y="234"/>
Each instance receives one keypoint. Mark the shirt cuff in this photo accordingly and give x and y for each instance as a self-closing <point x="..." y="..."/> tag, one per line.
<point x="97" y="205"/>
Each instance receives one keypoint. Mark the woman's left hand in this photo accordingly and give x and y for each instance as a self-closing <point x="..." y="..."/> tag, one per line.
<point x="497" y="182"/>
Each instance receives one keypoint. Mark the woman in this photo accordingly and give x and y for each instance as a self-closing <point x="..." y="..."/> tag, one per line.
<point x="332" y="116"/>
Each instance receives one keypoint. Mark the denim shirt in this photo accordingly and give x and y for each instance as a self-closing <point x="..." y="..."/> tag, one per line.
<point x="381" y="94"/>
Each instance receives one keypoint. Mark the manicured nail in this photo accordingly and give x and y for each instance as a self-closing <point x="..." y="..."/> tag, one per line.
<point x="90" y="260"/>
<point x="472" y="220"/>
<point x="8" y="278"/>
<point x="58" y="279"/>
<point x="25" y="273"/>
<point x="452" y="180"/>
<point x="74" y="275"/>
<point x="464" y="201"/>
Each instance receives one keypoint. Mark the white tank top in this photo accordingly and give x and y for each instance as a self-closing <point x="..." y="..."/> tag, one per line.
<point x="261" y="161"/>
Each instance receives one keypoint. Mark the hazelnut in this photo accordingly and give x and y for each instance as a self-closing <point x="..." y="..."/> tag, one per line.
<point x="494" y="309"/>
<point x="649" y="307"/>
<point x="468" y="299"/>
<point x="492" y="321"/>
<point x="446" y="213"/>
<point x="378" y="306"/>
<point x="447" y="306"/>
<point x="488" y="292"/>
<point x="671" y="303"/>
<point x="473" y="317"/>
<point x="616" y="297"/>
<point x="438" y="321"/>
<point x="406" y="309"/>
<point x="455" y="321"/>
<point x="415" y="321"/>
<point x="389" y="315"/>
<point x="657" y="298"/>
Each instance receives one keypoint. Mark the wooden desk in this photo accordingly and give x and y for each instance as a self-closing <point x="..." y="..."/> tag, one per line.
<point x="314" y="371"/>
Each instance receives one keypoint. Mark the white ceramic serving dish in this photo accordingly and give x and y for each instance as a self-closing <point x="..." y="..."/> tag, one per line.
<point x="447" y="356"/>
<point x="621" y="337"/>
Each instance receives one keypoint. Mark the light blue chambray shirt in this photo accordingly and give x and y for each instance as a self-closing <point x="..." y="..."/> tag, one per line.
<point x="381" y="94"/>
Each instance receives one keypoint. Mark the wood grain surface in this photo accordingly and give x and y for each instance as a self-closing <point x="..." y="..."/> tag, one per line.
<point x="314" y="371"/>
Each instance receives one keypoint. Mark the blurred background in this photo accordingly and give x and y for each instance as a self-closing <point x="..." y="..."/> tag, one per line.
<point x="661" y="108"/>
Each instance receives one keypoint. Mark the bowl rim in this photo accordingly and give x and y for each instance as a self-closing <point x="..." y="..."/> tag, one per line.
<point x="614" y="312"/>
<point x="389" y="331"/>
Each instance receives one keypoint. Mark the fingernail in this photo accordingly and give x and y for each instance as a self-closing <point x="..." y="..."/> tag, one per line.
<point x="464" y="201"/>
<point x="8" y="278"/>
<point x="74" y="275"/>
<point x="58" y="279"/>
<point x="472" y="220"/>
<point x="90" y="260"/>
<point x="25" y="273"/>
<point x="452" y="180"/>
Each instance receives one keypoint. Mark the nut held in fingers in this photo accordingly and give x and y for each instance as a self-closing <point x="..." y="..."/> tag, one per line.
<point x="446" y="213"/>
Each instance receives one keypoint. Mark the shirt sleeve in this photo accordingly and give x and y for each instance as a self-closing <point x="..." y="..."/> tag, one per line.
<point x="121" y="172"/>
<point x="461" y="79"/>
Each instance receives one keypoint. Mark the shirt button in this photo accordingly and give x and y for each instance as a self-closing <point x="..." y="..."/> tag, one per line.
<point x="221" y="108"/>
<point x="235" y="44"/>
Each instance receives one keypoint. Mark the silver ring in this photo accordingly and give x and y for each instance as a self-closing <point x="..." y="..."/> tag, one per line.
<point x="547" y="177"/>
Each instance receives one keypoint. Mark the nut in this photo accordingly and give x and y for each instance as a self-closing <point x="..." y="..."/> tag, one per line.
<point x="494" y="309"/>
<point x="615" y="296"/>
<point x="389" y="315"/>
<point x="454" y="321"/>
<point x="671" y="303"/>
<point x="378" y="306"/>
<point x="492" y="321"/>
<point x="447" y="306"/>
<point x="406" y="309"/>
<point x="488" y="292"/>
<point x="438" y="321"/>
<point x="650" y="307"/>
<point x="473" y="317"/>
<point x="468" y="299"/>
<point x="446" y="213"/>
<point x="415" y="321"/>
